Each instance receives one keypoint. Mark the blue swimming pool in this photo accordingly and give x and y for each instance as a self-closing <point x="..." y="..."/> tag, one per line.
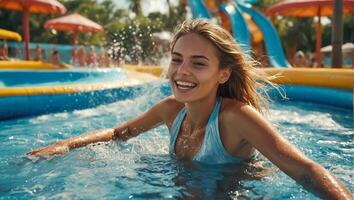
<point x="142" y="169"/>
<point x="32" y="78"/>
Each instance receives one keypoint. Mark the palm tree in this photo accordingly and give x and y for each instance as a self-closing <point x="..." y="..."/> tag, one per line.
<point x="337" y="34"/>
<point x="135" y="6"/>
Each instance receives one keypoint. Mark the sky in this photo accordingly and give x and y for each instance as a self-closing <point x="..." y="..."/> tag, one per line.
<point x="148" y="6"/>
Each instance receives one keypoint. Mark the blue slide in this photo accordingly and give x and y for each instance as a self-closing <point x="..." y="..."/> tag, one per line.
<point x="239" y="26"/>
<point x="241" y="35"/>
<point x="198" y="9"/>
<point x="270" y="35"/>
<point x="271" y="38"/>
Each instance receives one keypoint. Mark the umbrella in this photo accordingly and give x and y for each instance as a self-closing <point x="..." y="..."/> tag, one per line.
<point x="346" y="48"/>
<point x="32" y="6"/>
<point x="164" y="35"/>
<point x="73" y="22"/>
<point x="309" y="8"/>
<point x="9" y="35"/>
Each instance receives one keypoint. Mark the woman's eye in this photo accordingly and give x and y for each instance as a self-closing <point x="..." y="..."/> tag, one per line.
<point x="176" y="60"/>
<point x="199" y="64"/>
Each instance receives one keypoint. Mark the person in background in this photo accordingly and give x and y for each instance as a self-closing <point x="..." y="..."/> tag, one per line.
<point x="82" y="57"/>
<point x="106" y="59"/>
<point x="4" y="52"/>
<point x="74" y="57"/>
<point x="299" y="59"/>
<point x="37" y="53"/>
<point x="92" y="60"/>
<point x="215" y="113"/>
<point x="103" y="59"/>
<point x="55" y="60"/>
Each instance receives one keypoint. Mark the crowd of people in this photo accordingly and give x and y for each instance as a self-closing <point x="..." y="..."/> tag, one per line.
<point x="79" y="57"/>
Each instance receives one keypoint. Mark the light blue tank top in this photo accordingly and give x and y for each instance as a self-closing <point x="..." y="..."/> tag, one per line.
<point x="212" y="150"/>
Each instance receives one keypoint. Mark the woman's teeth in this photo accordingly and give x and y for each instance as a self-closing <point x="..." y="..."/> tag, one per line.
<point x="185" y="85"/>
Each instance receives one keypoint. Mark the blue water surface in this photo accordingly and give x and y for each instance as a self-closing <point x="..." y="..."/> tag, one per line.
<point x="141" y="168"/>
<point x="33" y="78"/>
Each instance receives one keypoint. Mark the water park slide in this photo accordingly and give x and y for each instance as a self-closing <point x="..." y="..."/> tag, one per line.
<point x="198" y="9"/>
<point x="270" y="35"/>
<point x="271" y="39"/>
<point x="239" y="26"/>
<point x="241" y="35"/>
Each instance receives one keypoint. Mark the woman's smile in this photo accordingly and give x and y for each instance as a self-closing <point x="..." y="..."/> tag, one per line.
<point x="184" y="86"/>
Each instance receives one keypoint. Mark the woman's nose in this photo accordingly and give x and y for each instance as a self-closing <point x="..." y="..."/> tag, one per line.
<point x="183" y="68"/>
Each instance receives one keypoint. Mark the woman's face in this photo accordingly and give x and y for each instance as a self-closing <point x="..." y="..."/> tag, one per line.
<point x="194" y="69"/>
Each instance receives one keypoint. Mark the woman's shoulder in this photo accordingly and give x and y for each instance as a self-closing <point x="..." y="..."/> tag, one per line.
<point x="232" y="109"/>
<point x="171" y="103"/>
<point x="169" y="107"/>
<point x="238" y="118"/>
<point x="231" y="105"/>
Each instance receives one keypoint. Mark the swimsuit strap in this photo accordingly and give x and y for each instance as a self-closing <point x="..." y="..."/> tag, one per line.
<point x="175" y="128"/>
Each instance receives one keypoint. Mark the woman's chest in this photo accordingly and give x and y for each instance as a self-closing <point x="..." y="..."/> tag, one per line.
<point x="189" y="142"/>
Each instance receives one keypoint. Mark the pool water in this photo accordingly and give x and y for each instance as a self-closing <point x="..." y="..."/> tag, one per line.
<point x="31" y="78"/>
<point x="141" y="168"/>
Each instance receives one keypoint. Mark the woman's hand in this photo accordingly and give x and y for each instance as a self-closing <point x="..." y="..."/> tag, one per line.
<point x="55" y="149"/>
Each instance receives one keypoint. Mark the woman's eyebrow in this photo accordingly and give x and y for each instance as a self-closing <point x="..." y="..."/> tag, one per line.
<point x="194" y="56"/>
<point x="200" y="56"/>
<point x="176" y="54"/>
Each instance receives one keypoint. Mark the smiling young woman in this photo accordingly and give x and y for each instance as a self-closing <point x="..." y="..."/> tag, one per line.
<point x="214" y="115"/>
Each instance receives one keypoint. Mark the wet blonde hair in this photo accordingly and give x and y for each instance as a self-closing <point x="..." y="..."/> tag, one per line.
<point x="244" y="80"/>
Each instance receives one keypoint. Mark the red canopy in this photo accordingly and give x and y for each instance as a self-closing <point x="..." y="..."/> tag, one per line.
<point x="73" y="22"/>
<point x="309" y="8"/>
<point x="32" y="6"/>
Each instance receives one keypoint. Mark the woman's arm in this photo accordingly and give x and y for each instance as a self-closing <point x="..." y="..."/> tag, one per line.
<point x="132" y="128"/>
<point x="261" y="134"/>
<point x="64" y="146"/>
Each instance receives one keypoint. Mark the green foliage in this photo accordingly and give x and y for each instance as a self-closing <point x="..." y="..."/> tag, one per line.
<point x="297" y="32"/>
<point x="348" y="30"/>
<point x="135" y="7"/>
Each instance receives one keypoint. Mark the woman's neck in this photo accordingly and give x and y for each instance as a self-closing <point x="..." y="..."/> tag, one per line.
<point x="199" y="112"/>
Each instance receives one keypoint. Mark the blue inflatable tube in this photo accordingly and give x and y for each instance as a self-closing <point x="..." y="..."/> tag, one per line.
<point x="27" y="93"/>
<point x="320" y="95"/>
<point x="21" y="106"/>
<point x="24" y="78"/>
